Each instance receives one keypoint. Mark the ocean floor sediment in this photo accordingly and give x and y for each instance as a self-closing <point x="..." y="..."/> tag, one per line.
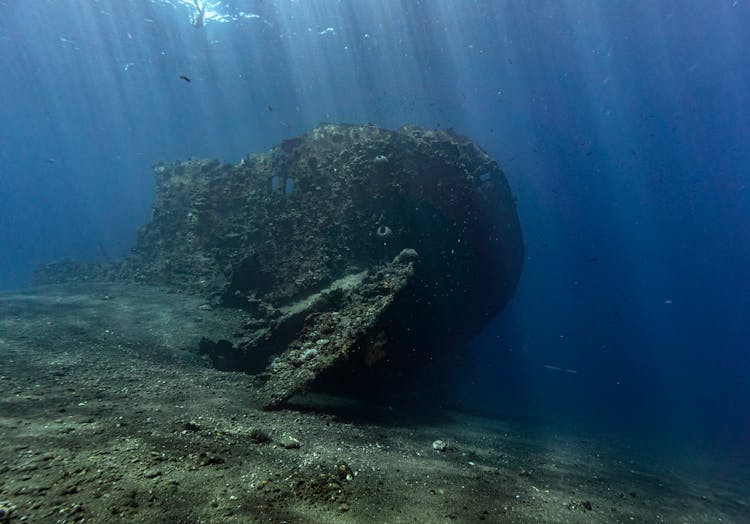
<point x="109" y="414"/>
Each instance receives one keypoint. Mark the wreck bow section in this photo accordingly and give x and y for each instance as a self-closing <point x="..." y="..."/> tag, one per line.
<point x="350" y="245"/>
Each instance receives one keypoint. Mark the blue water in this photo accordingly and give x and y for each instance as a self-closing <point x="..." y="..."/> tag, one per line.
<point x="622" y="127"/>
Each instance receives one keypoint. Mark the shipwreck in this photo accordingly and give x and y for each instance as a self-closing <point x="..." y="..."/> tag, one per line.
<point x="353" y="250"/>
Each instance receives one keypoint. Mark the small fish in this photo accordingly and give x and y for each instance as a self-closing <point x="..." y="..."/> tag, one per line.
<point x="51" y="160"/>
<point x="185" y="78"/>
<point x="270" y="108"/>
<point x="593" y="259"/>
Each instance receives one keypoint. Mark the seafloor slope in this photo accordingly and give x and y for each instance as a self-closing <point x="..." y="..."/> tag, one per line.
<point x="108" y="415"/>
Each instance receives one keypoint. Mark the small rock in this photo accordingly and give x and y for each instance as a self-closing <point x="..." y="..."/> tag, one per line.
<point x="440" y="445"/>
<point x="6" y="511"/>
<point x="152" y="473"/>
<point x="192" y="426"/>
<point x="288" y="442"/>
<point x="69" y="490"/>
<point x="74" y="510"/>
<point x="210" y="459"/>
<point x="580" y="504"/>
<point x="259" y="436"/>
<point x="345" y="472"/>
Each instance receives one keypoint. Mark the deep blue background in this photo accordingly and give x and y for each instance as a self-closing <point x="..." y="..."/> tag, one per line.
<point x="622" y="127"/>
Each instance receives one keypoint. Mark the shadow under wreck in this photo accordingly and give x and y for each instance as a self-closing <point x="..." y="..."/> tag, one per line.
<point x="354" y="250"/>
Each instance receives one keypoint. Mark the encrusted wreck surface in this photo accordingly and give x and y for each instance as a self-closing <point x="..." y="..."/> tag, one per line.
<point x="351" y="246"/>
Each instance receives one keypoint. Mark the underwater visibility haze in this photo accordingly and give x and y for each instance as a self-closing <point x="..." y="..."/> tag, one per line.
<point x="602" y="290"/>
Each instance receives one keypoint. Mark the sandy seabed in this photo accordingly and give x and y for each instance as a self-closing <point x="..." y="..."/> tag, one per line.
<point x="108" y="414"/>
